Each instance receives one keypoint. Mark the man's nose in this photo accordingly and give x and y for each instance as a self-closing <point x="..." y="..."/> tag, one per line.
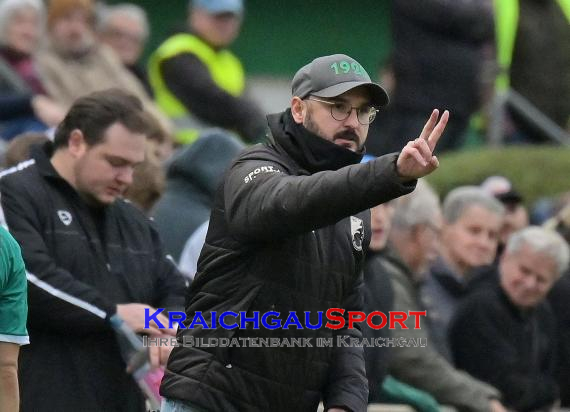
<point x="352" y="119"/>
<point x="125" y="175"/>
<point x="484" y="241"/>
<point x="531" y="282"/>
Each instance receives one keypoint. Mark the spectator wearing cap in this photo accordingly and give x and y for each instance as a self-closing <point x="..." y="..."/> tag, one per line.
<point x="74" y="63"/>
<point x="199" y="82"/>
<point x="516" y="215"/>
<point x="469" y="238"/>
<point x="287" y="234"/>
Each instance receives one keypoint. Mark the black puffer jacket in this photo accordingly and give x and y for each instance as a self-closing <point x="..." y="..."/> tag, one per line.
<point x="378" y="296"/>
<point x="284" y="236"/>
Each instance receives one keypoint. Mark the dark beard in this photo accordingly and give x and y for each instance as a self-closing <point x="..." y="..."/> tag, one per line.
<point x="310" y="125"/>
<point x="348" y="135"/>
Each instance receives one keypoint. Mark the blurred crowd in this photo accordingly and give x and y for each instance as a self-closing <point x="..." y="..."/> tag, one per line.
<point x="491" y="273"/>
<point x="493" y="287"/>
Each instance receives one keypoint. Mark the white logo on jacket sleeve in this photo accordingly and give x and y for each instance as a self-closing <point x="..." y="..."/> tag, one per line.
<point x="65" y="217"/>
<point x="357" y="230"/>
<point x="261" y="169"/>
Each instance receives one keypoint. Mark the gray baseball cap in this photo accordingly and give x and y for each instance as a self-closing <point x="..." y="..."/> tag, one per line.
<point x="330" y="76"/>
<point x="219" y="6"/>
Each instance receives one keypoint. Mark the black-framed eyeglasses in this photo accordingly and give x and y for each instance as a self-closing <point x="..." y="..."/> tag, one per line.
<point x="341" y="110"/>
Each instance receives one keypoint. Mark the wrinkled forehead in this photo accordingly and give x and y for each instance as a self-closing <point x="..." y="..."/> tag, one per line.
<point x="539" y="261"/>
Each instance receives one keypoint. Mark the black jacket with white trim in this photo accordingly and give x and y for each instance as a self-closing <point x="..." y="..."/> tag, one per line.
<point x="75" y="280"/>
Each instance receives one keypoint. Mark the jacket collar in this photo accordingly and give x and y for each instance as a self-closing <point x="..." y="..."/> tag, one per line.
<point x="450" y="281"/>
<point x="311" y="152"/>
<point x="393" y="257"/>
<point x="42" y="156"/>
<point x="524" y="314"/>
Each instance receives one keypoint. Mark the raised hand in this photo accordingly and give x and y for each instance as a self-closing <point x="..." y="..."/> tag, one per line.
<point x="416" y="159"/>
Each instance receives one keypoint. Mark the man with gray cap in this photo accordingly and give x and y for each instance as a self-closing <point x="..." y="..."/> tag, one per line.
<point x="198" y="82"/>
<point x="286" y="241"/>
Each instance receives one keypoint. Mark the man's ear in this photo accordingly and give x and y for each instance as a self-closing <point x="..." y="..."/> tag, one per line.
<point x="76" y="144"/>
<point x="298" y="109"/>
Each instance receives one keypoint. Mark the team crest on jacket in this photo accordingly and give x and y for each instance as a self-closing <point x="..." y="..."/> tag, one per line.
<point x="65" y="217"/>
<point x="357" y="230"/>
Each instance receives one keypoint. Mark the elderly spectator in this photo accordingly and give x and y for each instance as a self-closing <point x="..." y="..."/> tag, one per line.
<point x="124" y="27"/>
<point x="74" y="64"/>
<point x="470" y="234"/>
<point x="414" y="240"/>
<point x="24" y="104"/>
<point x="506" y="336"/>
<point x="379" y="296"/>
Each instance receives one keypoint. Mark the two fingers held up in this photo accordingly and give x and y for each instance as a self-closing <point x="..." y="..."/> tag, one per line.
<point x="417" y="159"/>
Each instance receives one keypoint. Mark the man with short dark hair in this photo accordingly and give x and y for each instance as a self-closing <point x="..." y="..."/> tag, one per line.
<point x="89" y="255"/>
<point x="288" y="231"/>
